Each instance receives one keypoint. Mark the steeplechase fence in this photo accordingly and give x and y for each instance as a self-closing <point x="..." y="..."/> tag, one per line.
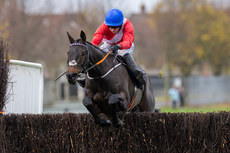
<point x="141" y="132"/>
<point x="4" y="68"/>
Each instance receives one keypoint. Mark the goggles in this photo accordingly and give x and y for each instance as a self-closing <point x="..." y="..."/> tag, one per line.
<point x="114" y="27"/>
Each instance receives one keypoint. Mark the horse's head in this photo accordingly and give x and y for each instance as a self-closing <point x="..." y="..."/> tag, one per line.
<point x="77" y="57"/>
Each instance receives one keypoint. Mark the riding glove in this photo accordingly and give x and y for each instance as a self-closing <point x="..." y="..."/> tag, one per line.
<point x="114" y="48"/>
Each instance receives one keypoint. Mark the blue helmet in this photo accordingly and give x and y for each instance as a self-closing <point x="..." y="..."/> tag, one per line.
<point x="114" y="17"/>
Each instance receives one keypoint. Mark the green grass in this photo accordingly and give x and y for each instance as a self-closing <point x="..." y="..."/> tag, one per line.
<point x="201" y="109"/>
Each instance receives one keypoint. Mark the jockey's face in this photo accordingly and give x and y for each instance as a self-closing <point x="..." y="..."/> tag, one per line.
<point x="114" y="29"/>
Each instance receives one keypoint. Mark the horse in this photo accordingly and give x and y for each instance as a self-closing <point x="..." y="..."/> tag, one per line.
<point x="108" y="85"/>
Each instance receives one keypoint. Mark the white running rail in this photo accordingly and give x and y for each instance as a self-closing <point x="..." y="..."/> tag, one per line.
<point x="25" y="88"/>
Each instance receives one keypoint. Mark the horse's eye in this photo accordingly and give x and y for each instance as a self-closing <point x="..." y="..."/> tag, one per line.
<point x="83" y="53"/>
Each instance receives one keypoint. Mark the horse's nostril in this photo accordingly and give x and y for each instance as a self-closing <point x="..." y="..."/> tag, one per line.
<point x="72" y="75"/>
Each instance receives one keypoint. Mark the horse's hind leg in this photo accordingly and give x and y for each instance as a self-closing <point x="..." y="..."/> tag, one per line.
<point x="88" y="103"/>
<point x="113" y="101"/>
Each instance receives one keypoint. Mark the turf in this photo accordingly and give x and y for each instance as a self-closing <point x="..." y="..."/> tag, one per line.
<point x="201" y="109"/>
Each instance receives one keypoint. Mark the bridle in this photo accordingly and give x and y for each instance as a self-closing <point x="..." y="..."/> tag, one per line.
<point x="85" y="64"/>
<point x="86" y="61"/>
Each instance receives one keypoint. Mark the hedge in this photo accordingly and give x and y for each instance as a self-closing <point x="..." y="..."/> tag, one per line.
<point x="3" y="74"/>
<point x="141" y="133"/>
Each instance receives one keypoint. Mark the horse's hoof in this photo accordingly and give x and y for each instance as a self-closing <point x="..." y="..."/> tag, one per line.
<point x="117" y="124"/>
<point x="114" y="99"/>
<point x="105" y="123"/>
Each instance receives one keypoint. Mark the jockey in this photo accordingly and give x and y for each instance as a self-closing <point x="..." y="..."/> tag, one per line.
<point x="117" y="34"/>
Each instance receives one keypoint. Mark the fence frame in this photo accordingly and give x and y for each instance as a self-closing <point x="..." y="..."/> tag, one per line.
<point x="15" y="104"/>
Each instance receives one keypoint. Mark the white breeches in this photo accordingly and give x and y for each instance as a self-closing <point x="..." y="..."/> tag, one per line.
<point x="105" y="48"/>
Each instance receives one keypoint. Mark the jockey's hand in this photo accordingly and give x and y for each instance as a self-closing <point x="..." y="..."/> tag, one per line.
<point x="114" y="48"/>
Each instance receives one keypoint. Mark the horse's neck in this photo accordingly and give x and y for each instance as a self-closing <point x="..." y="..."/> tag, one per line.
<point x="95" y="55"/>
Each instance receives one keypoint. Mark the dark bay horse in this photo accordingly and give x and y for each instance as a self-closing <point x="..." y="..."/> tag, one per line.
<point x="108" y="86"/>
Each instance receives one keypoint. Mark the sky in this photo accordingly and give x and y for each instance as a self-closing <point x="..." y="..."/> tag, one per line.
<point x="134" y="5"/>
<point x="127" y="6"/>
<point x="59" y="6"/>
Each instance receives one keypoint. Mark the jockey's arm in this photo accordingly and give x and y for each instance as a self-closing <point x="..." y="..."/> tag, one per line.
<point x="98" y="35"/>
<point x="128" y="36"/>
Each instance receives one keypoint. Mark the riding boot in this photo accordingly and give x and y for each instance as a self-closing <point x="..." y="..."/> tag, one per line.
<point x="135" y="72"/>
<point x="81" y="81"/>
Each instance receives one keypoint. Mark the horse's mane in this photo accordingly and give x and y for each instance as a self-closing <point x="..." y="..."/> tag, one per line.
<point x="119" y="59"/>
<point x="96" y="47"/>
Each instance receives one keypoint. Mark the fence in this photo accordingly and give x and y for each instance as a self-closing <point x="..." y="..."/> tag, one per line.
<point x="198" y="89"/>
<point x="208" y="90"/>
<point x="25" y="88"/>
<point x="141" y="133"/>
<point x="3" y="74"/>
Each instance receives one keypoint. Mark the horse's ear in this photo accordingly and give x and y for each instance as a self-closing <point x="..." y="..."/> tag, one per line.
<point x="71" y="40"/>
<point x="83" y="36"/>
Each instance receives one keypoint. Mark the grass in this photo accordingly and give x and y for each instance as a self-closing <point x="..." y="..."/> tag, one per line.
<point x="201" y="109"/>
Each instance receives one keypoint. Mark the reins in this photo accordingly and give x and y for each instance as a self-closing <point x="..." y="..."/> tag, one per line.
<point x="102" y="60"/>
<point x="99" y="62"/>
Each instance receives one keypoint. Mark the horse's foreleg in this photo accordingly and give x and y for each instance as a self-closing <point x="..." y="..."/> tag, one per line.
<point x="88" y="103"/>
<point x="114" y="101"/>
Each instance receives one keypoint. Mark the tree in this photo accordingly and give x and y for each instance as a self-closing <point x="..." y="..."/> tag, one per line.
<point x="41" y="37"/>
<point x="194" y="31"/>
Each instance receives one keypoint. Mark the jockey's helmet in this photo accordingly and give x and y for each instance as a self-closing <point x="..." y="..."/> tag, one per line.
<point x="114" y="17"/>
